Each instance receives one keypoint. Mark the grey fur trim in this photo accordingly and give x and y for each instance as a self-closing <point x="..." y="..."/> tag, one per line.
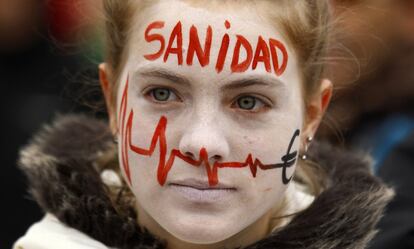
<point x="60" y="164"/>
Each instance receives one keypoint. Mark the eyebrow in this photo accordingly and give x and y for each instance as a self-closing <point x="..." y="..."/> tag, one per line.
<point x="253" y="81"/>
<point x="236" y="84"/>
<point x="165" y="74"/>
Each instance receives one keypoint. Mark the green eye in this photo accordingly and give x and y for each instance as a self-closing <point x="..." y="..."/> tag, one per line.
<point x="247" y="102"/>
<point x="161" y="94"/>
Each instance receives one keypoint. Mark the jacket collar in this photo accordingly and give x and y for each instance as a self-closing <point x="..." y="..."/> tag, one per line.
<point x="61" y="164"/>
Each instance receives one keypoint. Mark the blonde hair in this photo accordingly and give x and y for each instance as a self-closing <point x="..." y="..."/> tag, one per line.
<point x="305" y="26"/>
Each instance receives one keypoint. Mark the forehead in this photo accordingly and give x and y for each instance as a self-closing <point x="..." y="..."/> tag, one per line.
<point x="247" y="19"/>
<point x="234" y="22"/>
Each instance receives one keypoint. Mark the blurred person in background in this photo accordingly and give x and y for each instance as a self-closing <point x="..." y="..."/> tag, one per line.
<point x="373" y="58"/>
<point x="34" y="71"/>
<point x="374" y="105"/>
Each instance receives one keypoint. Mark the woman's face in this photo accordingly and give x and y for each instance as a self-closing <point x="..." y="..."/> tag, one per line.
<point x="208" y="135"/>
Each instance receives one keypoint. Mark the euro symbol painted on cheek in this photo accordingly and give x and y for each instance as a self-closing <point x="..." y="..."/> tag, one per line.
<point x="289" y="159"/>
<point x="165" y="164"/>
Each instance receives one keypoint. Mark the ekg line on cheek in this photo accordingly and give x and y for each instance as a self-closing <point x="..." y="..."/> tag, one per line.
<point x="164" y="166"/>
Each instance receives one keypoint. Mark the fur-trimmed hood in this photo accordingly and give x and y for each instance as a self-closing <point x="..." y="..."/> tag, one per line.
<point x="63" y="171"/>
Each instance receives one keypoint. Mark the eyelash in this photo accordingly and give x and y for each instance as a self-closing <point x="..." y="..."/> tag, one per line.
<point x="264" y="104"/>
<point x="150" y="94"/>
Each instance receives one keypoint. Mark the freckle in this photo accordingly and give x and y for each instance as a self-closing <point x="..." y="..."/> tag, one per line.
<point x="248" y="140"/>
<point x="268" y="189"/>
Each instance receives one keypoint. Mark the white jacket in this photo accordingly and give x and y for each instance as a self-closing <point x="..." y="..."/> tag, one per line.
<point x="51" y="233"/>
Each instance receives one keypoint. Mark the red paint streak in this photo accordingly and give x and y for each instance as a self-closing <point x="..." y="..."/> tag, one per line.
<point x="195" y="47"/>
<point x="223" y="53"/>
<point x="239" y="67"/>
<point x="227" y="24"/>
<point x="279" y="70"/>
<point x="155" y="37"/>
<point x="165" y="165"/>
<point x="121" y="123"/>
<point x="262" y="55"/>
<point x="176" y="34"/>
<point x="225" y="42"/>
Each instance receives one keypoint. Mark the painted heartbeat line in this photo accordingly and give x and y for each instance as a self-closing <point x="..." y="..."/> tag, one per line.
<point x="164" y="165"/>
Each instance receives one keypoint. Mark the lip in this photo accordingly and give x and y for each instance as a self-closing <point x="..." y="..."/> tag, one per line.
<point x="197" y="191"/>
<point x="201" y="185"/>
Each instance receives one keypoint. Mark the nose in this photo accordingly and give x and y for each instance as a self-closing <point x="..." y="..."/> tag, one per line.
<point x="204" y="135"/>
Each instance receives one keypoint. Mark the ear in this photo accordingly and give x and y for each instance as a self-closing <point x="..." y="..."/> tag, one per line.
<point x="316" y="108"/>
<point x="105" y="74"/>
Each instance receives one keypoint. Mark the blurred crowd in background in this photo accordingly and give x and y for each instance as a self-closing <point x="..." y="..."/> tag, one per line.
<point x="48" y="47"/>
<point x="371" y="63"/>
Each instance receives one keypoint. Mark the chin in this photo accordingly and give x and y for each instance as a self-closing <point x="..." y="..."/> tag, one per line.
<point x="202" y="229"/>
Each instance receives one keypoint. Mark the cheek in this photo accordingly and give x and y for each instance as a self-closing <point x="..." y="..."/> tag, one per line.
<point x="275" y="154"/>
<point x="268" y="145"/>
<point x="271" y="190"/>
<point x="144" y="176"/>
<point x="144" y="161"/>
<point x="141" y="168"/>
<point x="137" y="148"/>
<point x="264" y="144"/>
<point x="264" y="191"/>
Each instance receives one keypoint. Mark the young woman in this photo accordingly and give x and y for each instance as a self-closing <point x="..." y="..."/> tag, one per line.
<point x="212" y="106"/>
